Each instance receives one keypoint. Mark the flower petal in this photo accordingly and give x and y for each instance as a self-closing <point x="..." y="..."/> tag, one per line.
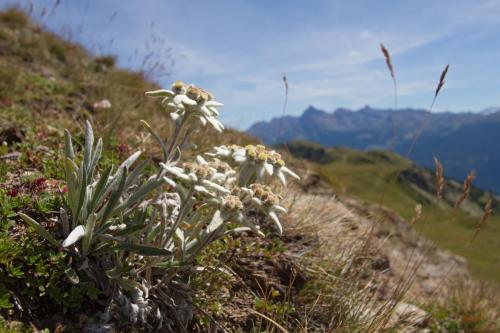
<point x="269" y="168"/>
<point x="203" y="189"/>
<point x="178" y="172"/>
<point x="278" y="209"/>
<point x="257" y="201"/>
<point x="213" y="111"/>
<point x="281" y="177"/>
<point x="213" y="186"/>
<point x="201" y="160"/>
<point x="276" y="221"/>
<point x="213" y="103"/>
<point x="159" y="93"/>
<point x="215" y="123"/>
<point x="183" y="99"/>
<point x="261" y="170"/>
<point x="240" y="155"/>
<point x="290" y="172"/>
<point x="170" y="182"/>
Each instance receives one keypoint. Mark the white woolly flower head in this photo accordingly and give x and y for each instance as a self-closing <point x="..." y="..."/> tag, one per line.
<point x="261" y="198"/>
<point x="254" y="161"/>
<point x="208" y="177"/>
<point x="190" y="102"/>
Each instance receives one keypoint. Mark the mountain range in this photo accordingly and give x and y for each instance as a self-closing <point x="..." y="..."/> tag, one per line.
<point x="463" y="141"/>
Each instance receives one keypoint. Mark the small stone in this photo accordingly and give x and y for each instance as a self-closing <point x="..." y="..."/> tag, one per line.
<point x="15" y="325"/>
<point x="104" y="104"/>
<point x="410" y="314"/>
<point x="11" y="133"/>
<point x="42" y="149"/>
<point x="11" y="156"/>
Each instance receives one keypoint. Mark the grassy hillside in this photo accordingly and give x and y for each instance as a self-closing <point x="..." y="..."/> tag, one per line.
<point x="371" y="176"/>
<point x="47" y="82"/>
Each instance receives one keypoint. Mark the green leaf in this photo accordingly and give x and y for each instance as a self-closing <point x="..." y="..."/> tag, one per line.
<point x="129" y="284"/>
<point x="136" y="173"/>
<point x="68" y="146"/>
<point x="89" y="143"/>
<point x="144" y="250"/>
<point x="129" y="161"/>
<point x="168" y="264"/>
<point x="99" y="189"/>
<point x="157" y="138"/>
<point x="5" y="301"/>
<point x="115" y="195"/>
<point x="114" y="273"/>
<point x="95" y="159"/>
<point x="72" y="276"/>
<point x="215" y="223"/>
<point x="141" y="192"/>
<point x="82" y="192"/>
<point x="130" y="230"/>
<point x="40" y="229"/>
<point x="87" y="237"/>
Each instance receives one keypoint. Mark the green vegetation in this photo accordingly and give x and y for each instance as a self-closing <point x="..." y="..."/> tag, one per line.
<point x="373" y="177"/>
<point x="466" y="307"/>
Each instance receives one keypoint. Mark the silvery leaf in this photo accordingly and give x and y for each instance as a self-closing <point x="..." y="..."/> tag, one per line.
<point x="74" y="236"/>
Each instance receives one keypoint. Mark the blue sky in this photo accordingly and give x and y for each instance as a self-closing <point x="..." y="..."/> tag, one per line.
<point x="329" y="50"/>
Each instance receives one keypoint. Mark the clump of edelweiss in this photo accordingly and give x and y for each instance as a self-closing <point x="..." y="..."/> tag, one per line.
<point x="134" y="234"/>
<point x="187" y="101"/>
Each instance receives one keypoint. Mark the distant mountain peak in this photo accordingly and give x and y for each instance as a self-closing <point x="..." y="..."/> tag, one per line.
<point x="462" y="141"/>
<point x="490" y="110"/>
<point x="312" y="111"/>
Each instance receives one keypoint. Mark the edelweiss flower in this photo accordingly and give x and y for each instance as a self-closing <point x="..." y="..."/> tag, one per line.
<point x="231" y="209"/>
<point x="255" y="160"/>
<point x="186" y="101"/>
<point x="262" y="198"/>
<point x="205" y="177"/>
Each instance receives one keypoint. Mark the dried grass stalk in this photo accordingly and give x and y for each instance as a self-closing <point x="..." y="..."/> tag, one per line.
<point x="467" y="187"/>
<point x="418" y="214"/>
<point x="388" y="60"/>
<point x="441" y="80"/>
<point x="439" y="183"/>
<point x="487" y="213"/>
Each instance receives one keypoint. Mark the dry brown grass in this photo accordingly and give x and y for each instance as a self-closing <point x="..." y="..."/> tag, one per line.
<point x="487" y="213"/>
<point x="344" y="293"/>
<point x="390" y="67"/>
<point x="388" y="60"/>
<point x="419" y="131"/>
<point x="466" y="306"/>
<point x="441" y="80"/>
<point x="418" y="214"/>
<point x="439" y="182"/>
<point x="466" y="189"/>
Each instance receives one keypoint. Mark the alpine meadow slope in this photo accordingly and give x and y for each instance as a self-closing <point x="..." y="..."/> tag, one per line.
<point x="384" y="178"/>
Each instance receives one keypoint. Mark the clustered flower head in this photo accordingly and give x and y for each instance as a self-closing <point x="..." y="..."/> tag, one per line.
<point x="255" y="161"/>
<point x="187" y="102"/>
<point x="204" y="177"/>
<point x="261" y="197"/>
<point x="232" y="203"/>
